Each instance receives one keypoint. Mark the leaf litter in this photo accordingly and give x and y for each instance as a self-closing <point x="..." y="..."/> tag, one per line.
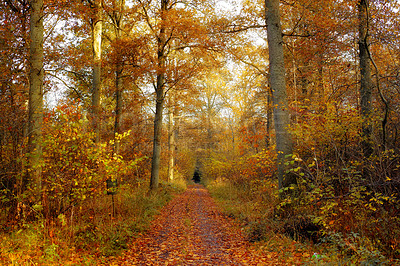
<point x="191" y="230"/>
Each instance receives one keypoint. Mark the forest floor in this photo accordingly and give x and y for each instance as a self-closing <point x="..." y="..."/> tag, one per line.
<point x="191" y="230"/>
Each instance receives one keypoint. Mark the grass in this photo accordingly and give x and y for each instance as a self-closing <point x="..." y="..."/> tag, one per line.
<point x="253" y="208"/>
<point x="87" y="234"/>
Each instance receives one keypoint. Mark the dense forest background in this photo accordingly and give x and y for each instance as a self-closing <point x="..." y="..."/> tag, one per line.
<point x="144" y="93"/>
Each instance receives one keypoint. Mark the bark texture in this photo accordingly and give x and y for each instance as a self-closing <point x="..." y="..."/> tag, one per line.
<point x="171" y="145"/>
<point x="278" y="87"/>
<point x="117" y="21"/>
<point x="36" y="76"/>
<point x="366" y="80"/>
<point x="97" y="30"/>
<point x="160" y="87"/>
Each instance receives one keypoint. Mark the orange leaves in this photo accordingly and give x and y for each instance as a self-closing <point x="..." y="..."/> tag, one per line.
<point x="243" y="170"/>
<point x="191" y="230"/>
<point x="251" y="137"/>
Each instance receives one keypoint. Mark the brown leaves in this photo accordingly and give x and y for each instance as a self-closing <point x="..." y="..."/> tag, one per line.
<point x="192" y="231"/>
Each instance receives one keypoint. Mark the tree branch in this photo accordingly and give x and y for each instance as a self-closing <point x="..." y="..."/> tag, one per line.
<point x="240" y="28"/>
<point x="383" y="98"/>
<point x="65" y="84"/>
<point x="12" y="6"/>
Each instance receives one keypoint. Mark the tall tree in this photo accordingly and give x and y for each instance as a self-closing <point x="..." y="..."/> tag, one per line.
<point x="365" y="71"/>
<point x="36" y="75"/>
<point x="97" y="30"/>
<point x="14" y="43"/>
<point x="162" y="41"/>
<point x="171" y="142"/>
<point x="277" y="82"/>
<point x="116" y="16"/>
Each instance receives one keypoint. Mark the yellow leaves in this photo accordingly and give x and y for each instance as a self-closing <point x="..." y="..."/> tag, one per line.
<point x="311" y="164"/>
<point x="119" y="137"/>
<point x="62" y="218"/>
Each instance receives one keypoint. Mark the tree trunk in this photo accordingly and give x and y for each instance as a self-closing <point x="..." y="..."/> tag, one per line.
<point x="97" y="28"/>
<point x="209" y="131"/>
<point x="366" y="80"/>
<point x="118" y="105"/>
<point x="171" y="145"/>
<point x="155" y="164"/>
<point x="117" y="19"/>
<point x="161" y="58"/>
<point x="269" y="118"/>
<point x="36" y="75"/>
<point x="278" y="87"/>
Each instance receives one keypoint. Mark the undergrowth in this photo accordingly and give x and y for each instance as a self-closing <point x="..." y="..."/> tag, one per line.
<point x="343" y="204"/>
<point x="254" y="210"/>
<point x="352" y="229"/>
<point x="87" y="234"/>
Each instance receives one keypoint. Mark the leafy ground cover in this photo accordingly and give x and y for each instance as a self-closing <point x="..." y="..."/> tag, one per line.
<point x="275" y="229"/>
<point x="192" y="230"/>
<point x="87" y="235"/>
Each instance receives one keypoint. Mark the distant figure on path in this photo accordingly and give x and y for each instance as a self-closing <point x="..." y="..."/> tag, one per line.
<point x="196" y="176"/>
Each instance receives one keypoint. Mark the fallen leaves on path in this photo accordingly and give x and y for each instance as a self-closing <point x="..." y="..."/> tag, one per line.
<point x="192" y="231"/>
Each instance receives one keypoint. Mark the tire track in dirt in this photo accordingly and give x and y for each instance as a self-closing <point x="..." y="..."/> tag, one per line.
<point x="192" y="231"/>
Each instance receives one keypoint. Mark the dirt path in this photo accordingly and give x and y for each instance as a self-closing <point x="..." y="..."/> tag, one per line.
<point x="192" y="231"/>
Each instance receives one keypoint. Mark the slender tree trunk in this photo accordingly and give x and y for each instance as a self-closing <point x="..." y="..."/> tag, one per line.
<point x="97" y="29"/>
<point x="117" y="18"/>
<point x="171" y="145"/>
<point x="278" y="87"/>
<point x="161" y="58"/>
<point x="36" y="75"/>
<point x="118" y="106"/>
<point x="155" y="164"/>
<point x="269" y="118"/>
<point x="366" y="80"/>
<point x="209" y="130"/>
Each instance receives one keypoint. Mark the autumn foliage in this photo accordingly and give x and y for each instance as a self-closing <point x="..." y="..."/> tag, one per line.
<point x="192" y="79"/>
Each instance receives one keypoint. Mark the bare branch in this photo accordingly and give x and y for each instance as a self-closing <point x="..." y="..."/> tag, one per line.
<point x="65" y="84"/>
<point x="12" y="6"/>
<point x="241" y="28"/>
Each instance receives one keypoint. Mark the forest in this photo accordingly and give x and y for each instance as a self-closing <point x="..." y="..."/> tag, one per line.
<point x="287" y="113"/>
